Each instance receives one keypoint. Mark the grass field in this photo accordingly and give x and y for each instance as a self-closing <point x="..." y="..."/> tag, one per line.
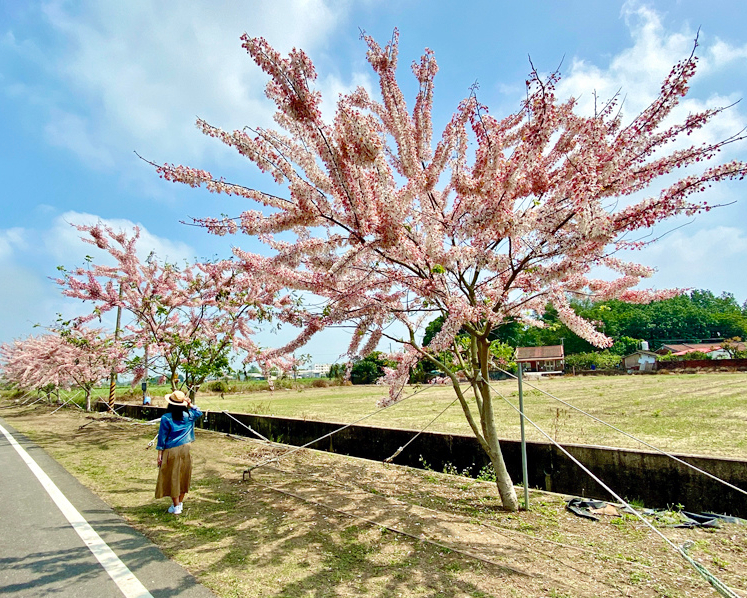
<point x="687" y="413"/>
<point x="690" y="413"/>
<point x="321" y="525"/>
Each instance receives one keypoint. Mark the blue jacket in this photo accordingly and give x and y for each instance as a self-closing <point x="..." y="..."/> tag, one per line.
<point x="176" y="433"/>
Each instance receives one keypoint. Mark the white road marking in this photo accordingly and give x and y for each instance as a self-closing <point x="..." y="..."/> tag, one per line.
<point x="117" y="570"/>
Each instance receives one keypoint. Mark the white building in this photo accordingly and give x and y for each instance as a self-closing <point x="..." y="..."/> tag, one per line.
<point x="640" y="361"/>
<point x="321" y="369"/>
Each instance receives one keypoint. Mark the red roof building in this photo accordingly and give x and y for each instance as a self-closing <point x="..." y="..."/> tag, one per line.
<point x="715" y="350"/>
<point x="541" y="359"/>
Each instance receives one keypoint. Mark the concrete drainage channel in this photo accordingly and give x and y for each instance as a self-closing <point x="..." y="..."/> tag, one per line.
<point x="654" y="479"/>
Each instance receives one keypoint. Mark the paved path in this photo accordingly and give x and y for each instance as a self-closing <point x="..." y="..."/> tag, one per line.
<point x="59" y="539"/>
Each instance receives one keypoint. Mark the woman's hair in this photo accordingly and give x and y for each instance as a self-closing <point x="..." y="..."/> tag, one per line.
<point x="177" y="411"/>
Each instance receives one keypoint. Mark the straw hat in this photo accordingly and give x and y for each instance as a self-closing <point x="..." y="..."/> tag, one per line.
<point x="177" y="398"/>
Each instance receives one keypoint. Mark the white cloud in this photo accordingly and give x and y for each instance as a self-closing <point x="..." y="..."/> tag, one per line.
<point x="709" y="258"/>
<point x="720" y="55"/>
<point x="331" y="87"/>
<point x="33" y="302"/>
<point x="72" y="132"/>
<point x="142" y="71"/>
<point x="638" y="71"/>
<point x="28" y="259"/>
<point x="24" y="302"/>
<point x="64" y="244"/>
<point x="10" y="240"/>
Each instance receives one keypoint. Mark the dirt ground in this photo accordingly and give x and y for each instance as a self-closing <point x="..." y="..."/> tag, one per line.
<point x="318" y="524"/>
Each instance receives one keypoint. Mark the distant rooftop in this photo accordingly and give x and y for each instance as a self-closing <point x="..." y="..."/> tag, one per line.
<point x="683" y="348"/>
<point x="535" y="353"/>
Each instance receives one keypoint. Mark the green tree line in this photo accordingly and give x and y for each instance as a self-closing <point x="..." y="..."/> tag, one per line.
<point x="691" y="317"/>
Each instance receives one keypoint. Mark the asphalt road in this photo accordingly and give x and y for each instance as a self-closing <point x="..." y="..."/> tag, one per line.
<point x="42" y="554"/>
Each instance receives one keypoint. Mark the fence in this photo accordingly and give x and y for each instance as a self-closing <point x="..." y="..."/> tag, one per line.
<point x="724" y="365"/>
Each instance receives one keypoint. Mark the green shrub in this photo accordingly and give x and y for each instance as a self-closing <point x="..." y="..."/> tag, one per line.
<point x="601" y="360"/>
<point x="369" y="369"/>
<point x="692" y="355"/>
<point x="219" y="386"/>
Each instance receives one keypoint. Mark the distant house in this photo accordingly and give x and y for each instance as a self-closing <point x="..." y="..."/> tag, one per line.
<point x="550" y="359"/>
<point x="321" y="369"/>
<point x="640" y="361"/>
<point x="714" y="350"/>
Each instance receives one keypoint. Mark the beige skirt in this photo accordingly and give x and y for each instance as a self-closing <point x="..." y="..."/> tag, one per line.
<point x="175" y="472"/>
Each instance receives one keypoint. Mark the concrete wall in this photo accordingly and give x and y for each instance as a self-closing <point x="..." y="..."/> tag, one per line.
<point x="651" y="477"/>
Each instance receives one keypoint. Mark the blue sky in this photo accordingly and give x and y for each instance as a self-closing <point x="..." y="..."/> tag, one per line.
<point x="85" y="84"/>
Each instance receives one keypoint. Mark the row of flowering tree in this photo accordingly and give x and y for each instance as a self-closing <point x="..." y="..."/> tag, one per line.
<point x="184" y="320"/>
<point x="494" y="221"/>
<point x="81" y="357"/>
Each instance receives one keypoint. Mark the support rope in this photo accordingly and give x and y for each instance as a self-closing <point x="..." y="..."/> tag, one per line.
<point x="497" y="530"/>
<point x="623" y="432"/>
<point x="333" y="432"/>
<point x="69" y="400"/>
<point x="18" y="402"/>
<point x="248" y="427"/>
<point x="409" y="442"/>
<point x="35" y="402"/>
<point x="716" y="583"/>
<point x="28" y="396"/>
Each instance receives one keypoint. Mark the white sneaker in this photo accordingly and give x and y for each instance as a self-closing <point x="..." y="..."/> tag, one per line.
<point x="171" y="509"/>
<point x="178" y="509"/>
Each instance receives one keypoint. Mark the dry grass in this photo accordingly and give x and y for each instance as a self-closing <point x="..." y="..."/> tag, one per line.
<point x="690" y="413"/>
<point x="324" y="525"/>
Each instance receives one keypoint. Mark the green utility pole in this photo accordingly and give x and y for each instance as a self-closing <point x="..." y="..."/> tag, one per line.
<point x="523" y="441"/>
<point x="144" y="383"/>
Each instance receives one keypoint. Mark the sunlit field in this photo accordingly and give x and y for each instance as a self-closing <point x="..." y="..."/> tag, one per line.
<point x="691" y="413"/>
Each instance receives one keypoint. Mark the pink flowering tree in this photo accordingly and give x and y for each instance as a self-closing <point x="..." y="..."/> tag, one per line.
<point x="189" y="318"/>
<point x="28" y="364"/>
<point x="88" y="356"/>
<point x="80" y="357"/>
<point x="494" y="220"/>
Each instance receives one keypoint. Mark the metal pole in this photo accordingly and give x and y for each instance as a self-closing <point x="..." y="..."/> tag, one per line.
<point x="524" y="469"/>
<point x="113" y="377"/>
<point x="144" y="384"/>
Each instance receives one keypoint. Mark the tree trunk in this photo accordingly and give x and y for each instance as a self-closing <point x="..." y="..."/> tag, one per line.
<point x="502" y="478"/>
<point x="503" y="481"/>
<point x="88" y="399"/>
<point x="488" y="439"/>
<point x="485" y="431"/>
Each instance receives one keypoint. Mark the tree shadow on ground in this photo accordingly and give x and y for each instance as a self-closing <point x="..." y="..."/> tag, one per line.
<point x="284" y="531"/>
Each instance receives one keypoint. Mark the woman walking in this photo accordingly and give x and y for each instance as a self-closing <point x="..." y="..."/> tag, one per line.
<point x="175" y="433"/>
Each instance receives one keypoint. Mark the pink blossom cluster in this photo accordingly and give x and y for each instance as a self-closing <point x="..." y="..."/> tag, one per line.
<point x="177" y="315"/>
<point x="494" y="220"/>
<point x="81" y="357"/>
